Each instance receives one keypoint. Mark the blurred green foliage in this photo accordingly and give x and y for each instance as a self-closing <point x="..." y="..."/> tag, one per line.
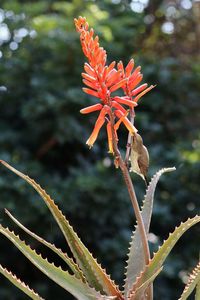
<point x="43" y="134"/>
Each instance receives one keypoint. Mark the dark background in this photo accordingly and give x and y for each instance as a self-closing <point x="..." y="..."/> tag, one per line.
<point x="43" y="134"/>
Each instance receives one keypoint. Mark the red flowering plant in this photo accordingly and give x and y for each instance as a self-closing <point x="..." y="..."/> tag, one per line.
<point x="85" y="279"/>
<point x="102" y="80"/>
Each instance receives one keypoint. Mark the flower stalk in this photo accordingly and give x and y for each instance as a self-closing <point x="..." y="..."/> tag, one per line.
<point x="127" y="179"/>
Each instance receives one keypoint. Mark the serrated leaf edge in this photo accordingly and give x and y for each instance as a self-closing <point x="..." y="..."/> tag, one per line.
<point x="150" y="189"/>
<point x="102" y="279"/>
<point x="69" y="261"/>
<point x="193" y="280"/>
<point x="83" y="287"/>
<point x="144" y="274"/>
<point x="134" y="294"/>
<point x="20" y="284"/>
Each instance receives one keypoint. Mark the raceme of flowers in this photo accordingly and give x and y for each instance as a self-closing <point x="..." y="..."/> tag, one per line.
<point x="102" y="80"/>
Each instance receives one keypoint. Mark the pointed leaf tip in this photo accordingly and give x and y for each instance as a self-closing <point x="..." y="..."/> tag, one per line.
<point x="68" y="282"/>
<point x="163" y="252"/>
<point x="136" y="261"/>
<point x="95" y="275"/>
<point x="19" y="284"/>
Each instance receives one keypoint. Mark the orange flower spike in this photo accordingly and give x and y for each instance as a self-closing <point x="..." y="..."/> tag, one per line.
<point x="113" y="77"/>
<point x="90" y="84"/>
<point x="88" y="77"/>
<point x="129" y="67"/>
<point x="99" y="123"/>
<point x="118" y="106"/>
<point x="126" y="122"/>
<point x="92" y="108"/>
<point x="143" y="93"/>
<point x="139" y="89"/>
<point x="81" y="24"/>
<point x="117" y="124"/>
<point x="134" y="74"/>
<point x="91" y="92"/>
<point x="118" y="85"/>
<point x="126" y="101"/>
<point x="110" y="140"/>
<point x="120" y="67"/>
<point x="135" y="82"/>
<point x="111" y="66"/>
<point x="89" y="70"/>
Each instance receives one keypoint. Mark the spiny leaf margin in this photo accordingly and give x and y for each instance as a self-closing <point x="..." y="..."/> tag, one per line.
<point x="74" y="267"/>
<point x="161" y="255"/>
<point x="197" y="294"/>
<point x="136" y="294"/>
<point x="20" y="284"/>
<point x="136" y="261"/>
<point x="93" y="272"/>
<point x="68" y="282"/>
<point x="193" y="280"/>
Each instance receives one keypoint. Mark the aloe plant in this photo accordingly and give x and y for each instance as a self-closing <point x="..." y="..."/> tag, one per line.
<point x="85" y="279"/>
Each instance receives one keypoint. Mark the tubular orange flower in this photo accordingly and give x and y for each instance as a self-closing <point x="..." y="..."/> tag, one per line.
<point x="102" y="80"/>
<point x="110" y="139"/>
<point x="126" y="122"/>
<point x="99" y="123"/>
<point x="91" y="108"/>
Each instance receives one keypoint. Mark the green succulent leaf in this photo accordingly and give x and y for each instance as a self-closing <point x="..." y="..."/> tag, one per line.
<point x="136" y="295"/>
<point x="95" y="275"/>
<point x="193" y="281"/>
<point x="69" y="282"/>
<point x="136" y="261"/>
<point x="161" y="255"/>
<point x="74" y="267"/>
<point x="19" y="284"/>
<point x="197" y="294"/>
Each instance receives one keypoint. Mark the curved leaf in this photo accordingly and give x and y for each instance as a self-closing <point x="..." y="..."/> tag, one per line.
<point x="160" y="256"/>
<point x="69" y="282"/>
<point x="136" y="262"/>
<point x="193" y="280"/>
<point x="19" y="284"/>
<point x="197" y="294"/>
<point x="75" y="269"/>
<point x="93" y="272"/>
<point x="136" y="295"/>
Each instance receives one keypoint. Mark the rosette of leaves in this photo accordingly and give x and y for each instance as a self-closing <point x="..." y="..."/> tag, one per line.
<point x="86" y="280"/>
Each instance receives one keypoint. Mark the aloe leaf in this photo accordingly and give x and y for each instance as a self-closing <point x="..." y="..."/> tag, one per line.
<point x="193" y="280"/>
<point x="93" y="272"/>
<point x="160" y="256"/>
<point x="19" y="284"/>
<point x="69" y="282"/>
<point x="74" y="267"/>
<point x="136" y="295"/>
<point x="197" y="294"/>
<point x="136" y="261"/>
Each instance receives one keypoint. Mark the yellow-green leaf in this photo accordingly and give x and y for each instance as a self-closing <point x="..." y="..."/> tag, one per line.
<point x="136" y="295"/>
<point x="136" y="260"/>
<point x="19" y="284"/>
<point x="161" y="255"/>
<point x="68" y="282"/>
<point x="93" y="272"/>
<point x="193" y="280"/>
<point x="197" y="294"/>
<point x="74" y="267"/>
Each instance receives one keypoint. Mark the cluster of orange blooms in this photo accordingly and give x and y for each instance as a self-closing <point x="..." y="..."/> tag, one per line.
<point x="102" y="80"/>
